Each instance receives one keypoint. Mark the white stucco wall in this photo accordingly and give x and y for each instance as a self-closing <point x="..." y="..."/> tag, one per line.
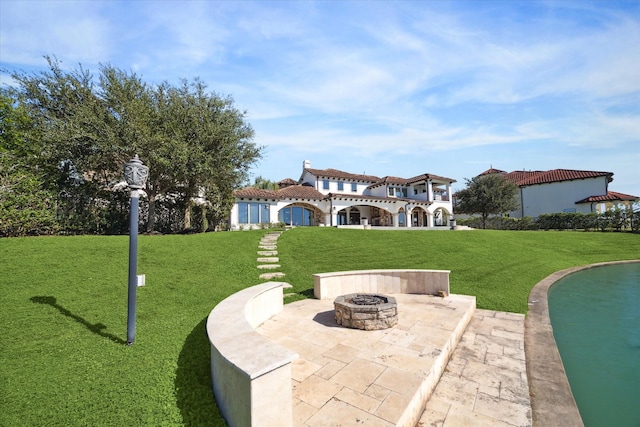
<point x="559" y="196"/>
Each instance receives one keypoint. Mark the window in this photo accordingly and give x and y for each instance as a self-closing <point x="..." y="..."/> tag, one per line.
<point x="253" y="213"/>
<point x="243" y="213"/>
<point x="391" y="191"/>
<point x="297" y="215"/>
<point x="340" y="186"/>
<point x="354" y="187"/>
<point x="325" y="184"/>
<point x="264" y="213"/>
<point x="404" y="191"/>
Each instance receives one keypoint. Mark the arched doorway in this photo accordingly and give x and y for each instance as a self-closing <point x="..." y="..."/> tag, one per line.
<point x="440" y="217"/>
<point x="349" y="216"/>
<point x="419" y="217"/>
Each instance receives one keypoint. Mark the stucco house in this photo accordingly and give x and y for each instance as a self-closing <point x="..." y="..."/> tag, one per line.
<point x="330" y="197"/>
<point x="563" y="190"/>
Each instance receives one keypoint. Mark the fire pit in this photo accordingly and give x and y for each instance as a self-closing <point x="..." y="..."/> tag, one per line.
<point x="369" y="312"/>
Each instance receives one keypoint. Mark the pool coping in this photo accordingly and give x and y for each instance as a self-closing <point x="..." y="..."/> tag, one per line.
<point x="550" y="394"/>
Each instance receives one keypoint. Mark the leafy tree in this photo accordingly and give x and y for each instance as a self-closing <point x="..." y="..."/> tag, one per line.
<point x="25" y="204"/>
<point x="265" y="184"/>
<point x="487" y="195"/>
<point x="196" y="144"/>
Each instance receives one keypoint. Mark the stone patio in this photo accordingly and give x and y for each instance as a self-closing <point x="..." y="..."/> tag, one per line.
<point x="352" y="377"/>
<point x="380" y="378"/>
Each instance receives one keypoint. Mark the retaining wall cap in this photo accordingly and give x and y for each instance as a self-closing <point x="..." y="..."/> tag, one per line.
<point x="231" y="334"/>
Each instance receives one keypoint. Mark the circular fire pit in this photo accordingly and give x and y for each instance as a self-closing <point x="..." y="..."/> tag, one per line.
<point x="369" y="312"/>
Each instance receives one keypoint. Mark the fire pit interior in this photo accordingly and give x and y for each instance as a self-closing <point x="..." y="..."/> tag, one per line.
<point x="369" y="312"/>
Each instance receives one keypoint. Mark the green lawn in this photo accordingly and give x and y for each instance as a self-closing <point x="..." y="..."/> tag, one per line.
<point x="64" y="304"/>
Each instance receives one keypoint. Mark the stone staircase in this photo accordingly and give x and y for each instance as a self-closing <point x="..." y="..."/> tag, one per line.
<point x="267" y="256"/>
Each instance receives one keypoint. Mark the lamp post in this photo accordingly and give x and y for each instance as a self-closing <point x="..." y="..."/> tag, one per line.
<point x="135" y="173"/>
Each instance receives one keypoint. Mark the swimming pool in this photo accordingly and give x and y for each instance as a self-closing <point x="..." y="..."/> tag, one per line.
<point x="595" y="314"/>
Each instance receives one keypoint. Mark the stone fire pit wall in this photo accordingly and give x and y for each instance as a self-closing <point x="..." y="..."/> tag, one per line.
<point x="369" y="317"/>
<point x="334" y="284"/>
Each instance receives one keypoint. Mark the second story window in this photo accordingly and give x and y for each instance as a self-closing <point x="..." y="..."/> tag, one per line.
<point x="325" y="184"/>
<point x="354" y="187"/>
<point x="340" y="186"/>
<point x="392" y="191"/>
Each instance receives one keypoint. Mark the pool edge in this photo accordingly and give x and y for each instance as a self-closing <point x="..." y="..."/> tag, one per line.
<point x="549" y="391"/>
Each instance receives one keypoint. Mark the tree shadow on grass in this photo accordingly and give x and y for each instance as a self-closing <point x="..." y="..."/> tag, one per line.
<point x="193" y="381"/>
<point x="97" y="328"/>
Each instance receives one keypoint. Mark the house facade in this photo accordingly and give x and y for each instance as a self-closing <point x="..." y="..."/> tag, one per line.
<point x="563" y="190"/>
<point x="330" y="197"/>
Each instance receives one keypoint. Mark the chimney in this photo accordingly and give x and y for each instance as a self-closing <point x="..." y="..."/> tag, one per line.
<point x="306" y="165"/>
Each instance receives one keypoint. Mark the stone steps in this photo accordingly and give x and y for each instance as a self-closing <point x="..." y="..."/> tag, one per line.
<point x="267" y="256"/>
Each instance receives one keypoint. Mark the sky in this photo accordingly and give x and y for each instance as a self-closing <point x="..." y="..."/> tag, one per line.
<point x="385" y="88"/>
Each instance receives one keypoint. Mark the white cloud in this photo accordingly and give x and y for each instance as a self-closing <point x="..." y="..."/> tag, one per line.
<point x="75" y="31"/>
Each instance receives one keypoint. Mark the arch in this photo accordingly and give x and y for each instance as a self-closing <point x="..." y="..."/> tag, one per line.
<point x="441" y="217"/>
<point x="300" y="215"/>
<point x="402" y="218"/>
<point x="419" y="217"/>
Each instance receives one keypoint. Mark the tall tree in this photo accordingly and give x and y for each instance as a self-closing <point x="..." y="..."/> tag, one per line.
<point x="487" y="195"/>
<point x="26" y="205"/>
<point x="195" y="143"/>
<point x="212" y="146"/>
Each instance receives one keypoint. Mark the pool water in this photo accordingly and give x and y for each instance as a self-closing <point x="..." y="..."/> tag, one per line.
<point x="595" y="314"/>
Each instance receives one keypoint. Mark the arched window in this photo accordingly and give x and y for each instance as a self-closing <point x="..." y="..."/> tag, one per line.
<point x="297" y="215"/>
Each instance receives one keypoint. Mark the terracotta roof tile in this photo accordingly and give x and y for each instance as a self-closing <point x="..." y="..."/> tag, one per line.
<point x="290" y="192"/>
<point x="431" y="176"/>
<point x="300" y="192"/>
<point x="406" y="181"/>
<point x="558" y="175"/>
<point x="491" y="171"/>
<point x="522" y="178"/>
<point x="611" y="196"/>
<point x="334" y="173"/>
<point x="286" y="182"/>
<point x="256" y="193"/>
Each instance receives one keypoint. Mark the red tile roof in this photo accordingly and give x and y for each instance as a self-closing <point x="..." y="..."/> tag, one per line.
<point x="492" y="171"/>
<point x="290" y="192"/>
<point x="286" y="182"/>
<point x="334" y="173"/>
<point x="430" y="176"/>
<point x="611" y="196"/>
<point x="406" y="181"/>
<point x="523" y="178"/>
<point x="558" y="175"/>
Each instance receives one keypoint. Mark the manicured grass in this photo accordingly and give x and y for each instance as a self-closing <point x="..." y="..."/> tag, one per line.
<point x="498" y="267"/>
<point x="63" y="313"/>
<point x="64" y="304"/>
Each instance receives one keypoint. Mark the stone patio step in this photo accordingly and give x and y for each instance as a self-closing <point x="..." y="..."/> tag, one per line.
<point x="268" y="266"/>
<point x="270" y="275"/>
<point x="268" y="259"/>
<point x="267" y="253"/>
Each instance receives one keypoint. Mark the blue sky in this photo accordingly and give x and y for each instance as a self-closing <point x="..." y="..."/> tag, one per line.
<point x="378" y="87"/>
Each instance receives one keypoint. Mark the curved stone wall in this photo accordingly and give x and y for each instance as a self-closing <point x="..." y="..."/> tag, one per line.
<point x="251" y="375"/>
<point x="426" y="282"/>
<point x="550" y="393"/>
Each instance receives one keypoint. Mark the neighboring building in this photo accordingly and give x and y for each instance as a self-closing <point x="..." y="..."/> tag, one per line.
<point x="563" y="190"/>
<point x="329" y="197"/>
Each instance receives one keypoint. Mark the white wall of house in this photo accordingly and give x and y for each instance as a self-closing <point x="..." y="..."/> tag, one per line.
<point x="342" y="189"/>
<point x="559" y="196"/>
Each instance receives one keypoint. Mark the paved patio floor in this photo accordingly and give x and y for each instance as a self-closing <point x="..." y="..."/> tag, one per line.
<point x="347" y="377"/>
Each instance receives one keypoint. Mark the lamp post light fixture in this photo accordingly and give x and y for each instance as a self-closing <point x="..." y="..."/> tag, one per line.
<point x="135" y="173"/>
